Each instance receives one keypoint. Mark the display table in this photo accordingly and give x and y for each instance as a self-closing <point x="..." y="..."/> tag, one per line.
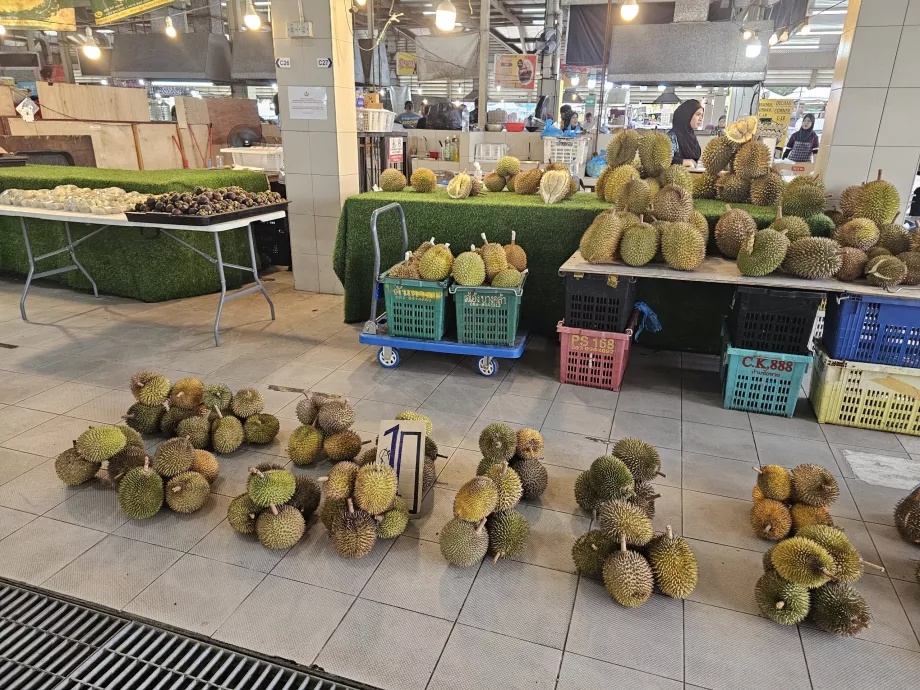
<point x="120" y="220"/>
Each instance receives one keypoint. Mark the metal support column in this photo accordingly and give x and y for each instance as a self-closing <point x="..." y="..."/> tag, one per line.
<point x="485" y="9"/>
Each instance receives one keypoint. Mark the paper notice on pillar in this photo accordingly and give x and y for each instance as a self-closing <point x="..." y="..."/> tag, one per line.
<point x="447" y="57"/>
<point x="307" y="102"/>
<point x="515" y="71"/>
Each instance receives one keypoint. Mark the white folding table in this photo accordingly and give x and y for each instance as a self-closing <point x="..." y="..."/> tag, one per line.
<point x="120" y="220"/>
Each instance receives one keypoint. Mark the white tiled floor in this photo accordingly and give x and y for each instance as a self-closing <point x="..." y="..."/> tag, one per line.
<point x="401" y="618"/>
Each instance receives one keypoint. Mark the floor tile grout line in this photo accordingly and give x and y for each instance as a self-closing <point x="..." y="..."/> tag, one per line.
<point x="568" y="629"/>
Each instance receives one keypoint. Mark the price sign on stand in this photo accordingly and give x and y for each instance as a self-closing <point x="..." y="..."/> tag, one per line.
<point x="401" y="445"/>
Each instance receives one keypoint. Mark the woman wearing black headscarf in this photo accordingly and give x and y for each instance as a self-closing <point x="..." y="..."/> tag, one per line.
<point x="684" y="146"/>
<point x="803" y="143"/>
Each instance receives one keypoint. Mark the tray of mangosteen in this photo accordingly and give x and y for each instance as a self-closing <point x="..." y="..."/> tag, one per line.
<point x="205" y="206"/>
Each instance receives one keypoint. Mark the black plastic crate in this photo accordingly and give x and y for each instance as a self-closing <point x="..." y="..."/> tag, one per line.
<point x="598" y="302"/>
<point x="773" y="320"/>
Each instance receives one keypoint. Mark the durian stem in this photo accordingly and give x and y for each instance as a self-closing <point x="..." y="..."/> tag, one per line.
<point x="513" y="236"/>
<point x="757" y="470"/>
<point x="828" y="573"/>
<point x="351" y="506"/>
<point x="872" y="565"/>
<point x="879" y="178"/>
<point x="127" y="416"/>
<point x="217" y="410"/>
<point x="767" y="528"/>
<point x="661" y="474"/>
<point x="780" y="604"/>
<point x="482" y="523"/>
<point x="622" y="541"/>
<point x="252" y="516"/>
<point x="176" y="489"/>
<point x="364" y="443"/>
<point x="442" y="456"/>
<point x="253" y="470"/>
<point x="322" y="479"/>
<point x="146" y="462"/>
<point x="497" y="556"/>
<point x="594" y="547"/>
<point x="656" y="497"/>
<point x="273" y="509"/>
<point x="670" y="532"/>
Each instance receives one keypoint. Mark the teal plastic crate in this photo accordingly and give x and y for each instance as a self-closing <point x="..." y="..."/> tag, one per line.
<point x="487" y="315"/>
<point x="415" y="308"/>
<point x="756" y="381"/>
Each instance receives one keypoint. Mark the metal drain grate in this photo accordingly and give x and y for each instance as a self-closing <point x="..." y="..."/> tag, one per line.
<point x="50" y="644"/>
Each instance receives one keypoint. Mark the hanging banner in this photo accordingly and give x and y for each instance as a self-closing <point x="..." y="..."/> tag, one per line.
<point x="107" y="11"/>
<point x="515" y="71"/>
<point x="777" y="111"/>
<point x="406" y="64"/>
<point x="50" y="15"/>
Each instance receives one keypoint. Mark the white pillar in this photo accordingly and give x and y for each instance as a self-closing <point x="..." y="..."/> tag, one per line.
<point x="320" y="155"/>
<point x="485" y="9"/>
<point x="875" y="98"/>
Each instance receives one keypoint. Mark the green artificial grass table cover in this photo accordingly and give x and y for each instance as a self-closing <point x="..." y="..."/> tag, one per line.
<point x="690" y="313"/>
<point x="128" y="262"/>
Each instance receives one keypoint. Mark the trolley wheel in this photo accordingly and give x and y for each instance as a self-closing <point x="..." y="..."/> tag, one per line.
<point x="488" y="366"/>
<point x="388" y="357"/>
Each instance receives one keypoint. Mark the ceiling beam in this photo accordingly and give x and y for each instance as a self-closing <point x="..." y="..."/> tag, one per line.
<point x="503" y="10"/>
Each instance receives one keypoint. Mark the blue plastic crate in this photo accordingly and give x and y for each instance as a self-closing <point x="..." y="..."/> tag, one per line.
<point x="756" y="381"/>
<point x="877" y="330"/>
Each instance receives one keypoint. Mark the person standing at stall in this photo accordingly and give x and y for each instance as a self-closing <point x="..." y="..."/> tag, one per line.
<point x="685" y="147"/>
<point x="803" y="143"/>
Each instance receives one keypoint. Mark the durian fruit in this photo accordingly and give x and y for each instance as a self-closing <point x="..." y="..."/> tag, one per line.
<point x="494" y="182"/>
<point x="848" y="201"/>
<point x="853" y="264"/>
<point x="307" y="408"/>
<point x="529" y="444"/>
<point x="762" y="252"/>
<point x="814" y="258"/>
<point x="204" y="464"/>
<point x="508" y="278"/>
<point x="616" y="180"/>
<point x="673" y="204"/>
<point x="169" y="422"/>
<point x="392" y="523"/>
<point x="907" y="517"/>
<point x="497" y="442"/>
<point x="676" y="175"/>
<point x="261" y="428"/>
<point x="753" y="160"/>
<point x="820" y="225"/>
<point x="429" y="475"/>
<point x="409" y="415"/>
<point x="601" y="183"/>
<point x="780" y="600"/>
<point x="431" y="450"/>
<point x="514" y="253"/>
<point x="653" y="186"/>
<point x="640" y="457"/>
<point x="304" y="444"/>
<point x="644" y="498"/>
<point x="226" y="433"/>
<point x="639" y="244"/>
<point x="335" y="414"/>
<point x="673" y="565"/>
<point x="698" y="221"/>
<point x="848" y="566"/>
<point x="878" y="201"/>
<point x="655" y="153"/>
<point x="533" y="477"/>
<point x="885" y="271"/>
<point x="99" y="443"/>
<point x="600" y="241"/>
<point x="123" y="461"/>
<point x="464" y="544"/>
<point x="375" y="488"/>
<point x="280" y="527"/>
<point x="731" y="229"/>
<point x="132" y="437"/>
<point x="628" y="577"/>
<point x="770" y="519"/>
<point x="271" y="487"/>
<point x="510" y="183"/>
<point x="703" y="186"/>
<point x="476" y="499"/>
<point x="197" y="429"/>
<point x="768" y="560"/>
<point x="307" y="495"/>
<point x="554" y="185"/>
<point x="508" y="531"/>
<point x="774" y="481"/>
<point x="861" y="233"/>
<point x="766" y="190"/>
<point x="803" y="562"/>
<point x="620" y="518"/>
<point x="813" y="485"/>
<point x="344" y="445"/>
<point x="423" y="180"/>
<point x="354" y="532"/>
<point x="330" y="511"/>
<point x="247" y="402"/>
<point x="187" y="492"/>
<point x="793" y="227"/>
<point x="803" y="516"/>
<point x="508" y="485"/>
<point x="493" y="256"/>
<point x="894" y="237"/>
<point x="469" y="269"/>
<point x="585" y="494"/>
<point x="912" y="262"/>
<point x="622" y="148"/>
<point x="140" y="493"/>
<point x="406" y="269"/>
<point x="589" y="552"/>
<point x="73" y="469"/>
<point x="757" y="494"/>
<point x="340" y="480"/>
<point x="436" y="263"/>
<point x="508" y="166"/>
<point x="732" y="188"/>
<point x="682" y="247"/>
<point x="392" y="180"/>
<point x="635" y="197"/>
<point x="174" y="457"/>
<point x="838" y="608"/>
<point x="150" y="388"/>
<point x="186" y="393"/>
<point x="804" y="196"/>
<point x="527" y="182"/>
<point x="610" y="478"/>
<point x="216" y="395"/>
<point x="717" y="155"/>
<point x="460" y="186"/>
<point x="145" y="418"/>
<point x="242" y="514"/>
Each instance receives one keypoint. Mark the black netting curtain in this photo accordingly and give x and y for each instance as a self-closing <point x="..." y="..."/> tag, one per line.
<point x="587" y="24"/>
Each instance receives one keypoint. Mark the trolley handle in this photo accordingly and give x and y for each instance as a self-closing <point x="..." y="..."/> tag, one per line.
<point x="405" y="245"/>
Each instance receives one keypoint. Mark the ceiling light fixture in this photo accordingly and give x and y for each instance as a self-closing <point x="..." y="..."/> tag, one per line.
<point x="662" y="87"/>
<point x="446" y="16"/>
<point x="170" y="29"/>
<point x="747" y="34"/>
<point x="783" y="37"/>
<point x="2" y="30"/>
<point x="774" y="39"/>
<point x="251" y="20"/>
<point x="574" y="80"/>
<point x="628" y="10"/>
<point x="753" y="50"/>
<point x="805" y="28"/>
<point x="90" y="49"/>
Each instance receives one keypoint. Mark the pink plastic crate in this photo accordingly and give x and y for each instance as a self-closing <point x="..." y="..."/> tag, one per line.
<point x="596" y="359"/>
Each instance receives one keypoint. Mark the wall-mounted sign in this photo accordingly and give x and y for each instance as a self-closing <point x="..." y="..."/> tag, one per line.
<point x="406" y="64"/>
<point x="283" y="63"/>
<point x="307" y="102"/>
<point x="107" y="11"/>
<point x="52" y="15"/>
<point x="324" y="63"/>
<point x="515" y="71"/>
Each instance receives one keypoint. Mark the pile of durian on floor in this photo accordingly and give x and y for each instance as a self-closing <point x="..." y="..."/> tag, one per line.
<point x="808" y="575"/>
<point x="485" y="520"/>
<point x="492" y="264"/>
<point x="907" y="521"/>
<point x="624" y="549"/>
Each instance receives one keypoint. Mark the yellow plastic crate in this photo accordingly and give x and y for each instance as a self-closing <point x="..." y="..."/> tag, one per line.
<point x="868" y="396"/>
